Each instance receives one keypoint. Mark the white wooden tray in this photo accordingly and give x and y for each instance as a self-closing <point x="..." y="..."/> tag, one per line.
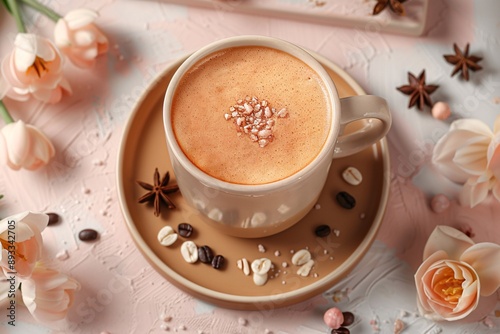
<point x="346" y="13"/>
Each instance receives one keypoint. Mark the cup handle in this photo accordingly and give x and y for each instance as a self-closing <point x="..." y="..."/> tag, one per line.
<point x="374" y="110"/>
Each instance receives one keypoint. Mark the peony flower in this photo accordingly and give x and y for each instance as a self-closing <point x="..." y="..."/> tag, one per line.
<point x="455" y="273"/>
<point x="24" y="146"/>
<point x="21" y="235"/>
<point x="33" y="69"/>
<point x="79" y="39"/>
<point x="469" y="154"/>
<point x="48" y="294"/>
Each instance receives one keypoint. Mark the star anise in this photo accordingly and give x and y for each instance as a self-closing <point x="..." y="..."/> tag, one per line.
<point x="395" y="5"/>
<point x="419" y="92"/>
<point x="158" y="191"/>
<point x="463" y="62"/>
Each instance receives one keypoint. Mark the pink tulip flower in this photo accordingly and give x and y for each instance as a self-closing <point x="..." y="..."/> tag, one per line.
<point x="455" y="273"/>
<point x="79" y="39"/>
<point x="20" y="255"/>
<point x="24" y="146"/>
<point x="48" y="294"/>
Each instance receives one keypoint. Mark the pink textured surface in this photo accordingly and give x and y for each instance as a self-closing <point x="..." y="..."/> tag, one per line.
<point x="121" y="292"/>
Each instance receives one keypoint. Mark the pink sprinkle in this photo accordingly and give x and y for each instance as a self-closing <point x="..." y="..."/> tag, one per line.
<point x="441" y="110"/>
<point x="333" y="318"/>
<point x="440" y="203"/>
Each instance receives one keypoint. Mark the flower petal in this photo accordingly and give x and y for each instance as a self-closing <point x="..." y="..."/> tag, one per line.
<point x="493" y="156"/>
<point x="79" y="18"/>
<point x="449" y="240"/>
<point x="485" y="259"/>
<point x="474" y="192"/>
<point x="496" y="125"/>
<point x="472" y="157"/>
<point x="18" y="142"/>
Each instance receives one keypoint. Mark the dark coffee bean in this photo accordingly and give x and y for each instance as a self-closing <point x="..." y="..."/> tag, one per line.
<point x="87" y="234"/>
<point x="340" y="330"/>
<point x="346" y="200"/>
<point x="218" y="262"/>
<point x="348" y="319"/>
<point x="322" y="231"/>
<point x="205" y="254"/>
<point x="53" y="218"/>
<point x="185" y="230"/>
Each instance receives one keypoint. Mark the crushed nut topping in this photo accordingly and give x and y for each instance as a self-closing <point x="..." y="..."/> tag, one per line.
<point x="255" y="118"/>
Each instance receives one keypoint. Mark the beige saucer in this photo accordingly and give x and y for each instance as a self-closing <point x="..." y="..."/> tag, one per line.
<point x="143" y="149"/>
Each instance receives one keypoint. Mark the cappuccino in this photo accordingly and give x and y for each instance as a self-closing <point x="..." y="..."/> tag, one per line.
<point x="251" y="115"/>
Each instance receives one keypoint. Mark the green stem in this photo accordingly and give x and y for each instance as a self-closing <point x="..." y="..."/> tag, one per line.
<point x="14" y="8"/>
<point x="4" y="113"/>
<point x="43" y="9"/>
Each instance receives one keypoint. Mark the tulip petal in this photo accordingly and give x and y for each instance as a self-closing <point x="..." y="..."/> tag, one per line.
<point x="17" y="137"/>
<point x="449" y="240"/>
<point x="61" y="34"/>
<point x="485" y="259"/>
<point x="4" y="292"/>
<point x="473" y="192"/>
<point x="496" y="189"/>
<point x="461" y="131"/>
<point x="42" y="147"/>
<point x="493" y="156"/>
<point x="472" y="157"/>
<point x="496" y="125"/>
<point x="79" y="18"/>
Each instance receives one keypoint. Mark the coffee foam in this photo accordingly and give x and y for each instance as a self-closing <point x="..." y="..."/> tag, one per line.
<point x="215" y="83"/>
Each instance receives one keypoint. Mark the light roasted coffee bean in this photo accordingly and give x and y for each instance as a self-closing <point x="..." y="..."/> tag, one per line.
<point x="301" y="257"/>
<point x="189" y="252"/>
<point x="167" y="236"/>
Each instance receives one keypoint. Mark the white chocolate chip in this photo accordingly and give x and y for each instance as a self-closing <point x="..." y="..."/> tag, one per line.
<point x="261" y="266"/>
<point x="167" y="236"/>
<point x="305" y="269"/>
<point x="283" y="113"/>
<point x="301" y="257"/>
<point x="260" y="279"/>
<point x="189" y="251"/>
<point x="352" y="176"/>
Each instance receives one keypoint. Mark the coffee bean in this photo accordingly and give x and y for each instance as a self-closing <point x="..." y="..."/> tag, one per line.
<point x="53" y="218"/>
<point x="205" y="254"/>
<point x="87" y="234"/>
<point x="346" y="200"/>
<point x="322" y="231"/>
<point x="218" y="262"/>
<point x="185" y="230"/>
<point x="340" y="330"/>
<point x="348" y="318"/>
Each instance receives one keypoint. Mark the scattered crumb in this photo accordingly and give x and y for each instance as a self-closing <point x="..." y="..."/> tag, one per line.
<point x="182" y="327"/>
<point x="317" y="206"/>
<point x="399" y="325"/>
<point x="336" y="232"/>
<point x="488" y="322"/>
<point x="292" y="251"/>
<point x="165" y="327"/>
<point x="283" y="282"/>
<point x="315" y="275"/>
<point x="277" y="253"/>
<point x="242" y="321"/>
<point x="403" y="314"/>
<point x="62" y="255"/>
<point x="262" y="249"/>
<point x="362" y="216"/>
<point x="284" y="264"/>
<point x="267" y="331"/>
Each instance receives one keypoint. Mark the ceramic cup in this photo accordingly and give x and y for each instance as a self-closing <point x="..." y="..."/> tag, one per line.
<point x="254" y="211"/>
